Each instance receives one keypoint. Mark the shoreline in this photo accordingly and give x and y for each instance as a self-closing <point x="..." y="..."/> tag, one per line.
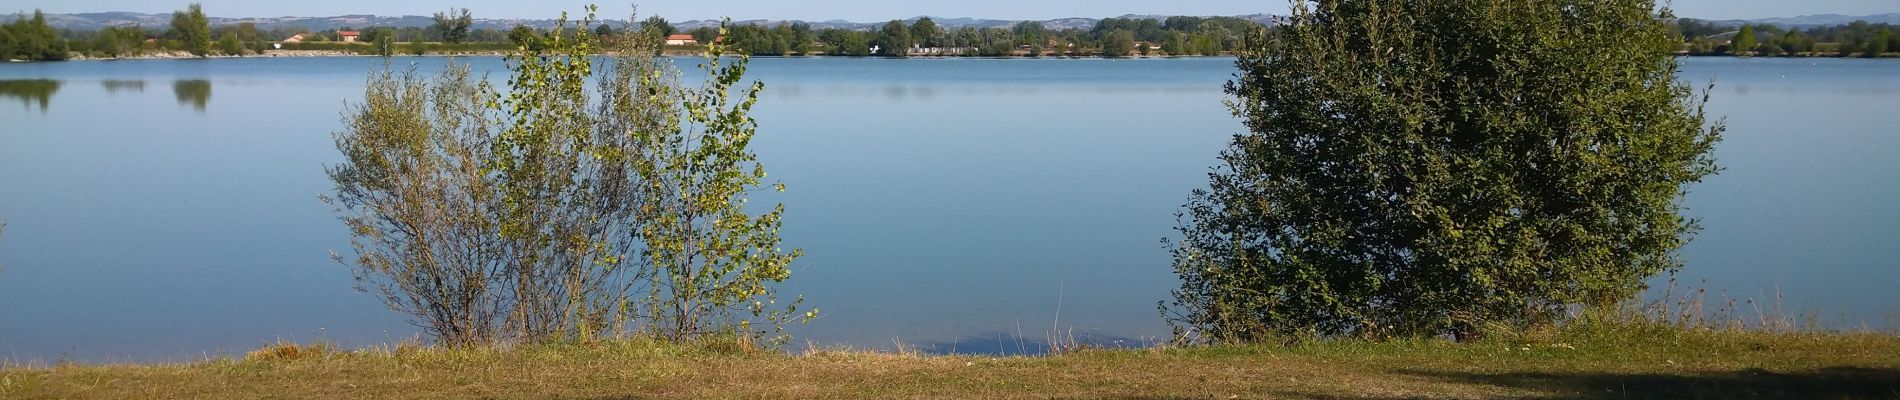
<point x="179" y="55"/>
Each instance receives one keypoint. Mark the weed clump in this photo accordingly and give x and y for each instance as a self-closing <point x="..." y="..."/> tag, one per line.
<point x="285" y="351"/>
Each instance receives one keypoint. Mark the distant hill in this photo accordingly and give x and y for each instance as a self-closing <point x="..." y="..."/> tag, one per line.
<point x="1815" y="20"/>
<point x="95" y="21"/>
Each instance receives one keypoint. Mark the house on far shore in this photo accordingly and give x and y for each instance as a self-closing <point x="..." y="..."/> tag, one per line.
<point x="348" y="36"/>
<point x="681" y="40"/>
<point x="297" y="38"/>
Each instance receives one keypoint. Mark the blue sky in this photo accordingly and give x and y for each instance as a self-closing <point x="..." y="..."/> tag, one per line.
<point x="859" y="10"/>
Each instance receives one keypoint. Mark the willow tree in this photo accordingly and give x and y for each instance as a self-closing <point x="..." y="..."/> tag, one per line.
<point x="551" y="210"/>
<point x="1431" y="167"/>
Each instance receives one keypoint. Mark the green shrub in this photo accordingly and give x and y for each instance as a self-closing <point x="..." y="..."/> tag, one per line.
<point x="546" y="214"/>
<point x="1428" y="168"/>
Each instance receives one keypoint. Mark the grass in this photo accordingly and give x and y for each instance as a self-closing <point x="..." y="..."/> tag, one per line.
<point x="1624" y="362"/>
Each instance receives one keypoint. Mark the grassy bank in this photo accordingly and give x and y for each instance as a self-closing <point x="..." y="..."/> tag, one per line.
<point x="1618" y="365"/>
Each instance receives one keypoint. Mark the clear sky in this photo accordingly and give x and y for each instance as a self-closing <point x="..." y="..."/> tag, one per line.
<point x="857" y="10"/>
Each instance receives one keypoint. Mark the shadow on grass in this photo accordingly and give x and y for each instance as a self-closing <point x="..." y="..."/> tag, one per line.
<point x="1828" y="383"/>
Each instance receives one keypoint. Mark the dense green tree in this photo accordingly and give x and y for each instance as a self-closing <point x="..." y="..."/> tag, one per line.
<point x="706" y="35"/>
<point x="1796" y="43"/>
<point x="30" y="38"/>
<point x="192" y="30"/>
<point x="230" y="45"/>
<point x="526" y="38"/>
<point x="1119" y="43"/>
<point x="894" y="40"/>
<point x="1429" y="168"/>
<point x="1030" y="33"/>
<point x="926" y="33"/>
<point x="1768" y="50"/>
<point x="797" y="37"/>
<point x="659" y="25"/>
<point x="856" y="44"/>
<point x="653" y="31"/>
<point x="108" y="43"/>
<point x="1744" y="42"/>
<point x="1175" y="44"/>
<point x="1882" y="42"/>
<point x="1206" y="44"/>
<point x="453" y="25"/>
<point x="247" y="32"/>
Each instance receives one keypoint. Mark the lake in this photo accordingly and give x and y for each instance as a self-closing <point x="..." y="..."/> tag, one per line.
<point x="167" y="209"/>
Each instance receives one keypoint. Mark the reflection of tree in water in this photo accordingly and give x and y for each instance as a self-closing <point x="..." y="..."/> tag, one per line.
<point x="30" y="91"/>
<point x="114" y="86"/>
<point x="196" y="92"/>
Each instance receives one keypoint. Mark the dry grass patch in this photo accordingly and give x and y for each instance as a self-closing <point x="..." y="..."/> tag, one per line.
<point x="1678" y="365"/>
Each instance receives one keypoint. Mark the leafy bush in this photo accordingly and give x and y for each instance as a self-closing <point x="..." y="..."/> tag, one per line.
<point x="547" y="213"/>
<point x="1427" y="168"/>
<point x="31" y="39"/>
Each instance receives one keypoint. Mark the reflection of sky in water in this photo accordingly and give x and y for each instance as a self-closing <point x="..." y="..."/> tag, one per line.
<point x="953" y="204"/>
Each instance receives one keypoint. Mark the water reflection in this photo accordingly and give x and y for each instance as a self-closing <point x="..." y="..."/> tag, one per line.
<point x="30" y="91"/>
<point x="116" y="86"/>
<point x="196" y="92"/>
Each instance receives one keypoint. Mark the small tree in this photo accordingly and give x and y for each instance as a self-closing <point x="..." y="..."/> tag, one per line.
<point x="926" y="33"/>
<point x="107" y="43"/>
<point x="230" y="46"/>
<point x="1744" y="42"/>
<point x="452" y="26"/>
<point x="1769" y="50"/>
<point x="526" y="38"/>
<point x="192" y="30"/>
<point x="1427" y="168"/>
<point x="1881" y="42"/>
<point x="1119" y="43"/>
<point x="894" y="40"/>
<point x="555" y="212"/>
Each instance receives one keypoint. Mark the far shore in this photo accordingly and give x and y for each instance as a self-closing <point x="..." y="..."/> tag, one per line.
<point x="180" y="55"/>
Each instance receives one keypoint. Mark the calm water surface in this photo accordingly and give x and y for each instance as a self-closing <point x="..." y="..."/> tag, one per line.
<point x="167" y="209"/>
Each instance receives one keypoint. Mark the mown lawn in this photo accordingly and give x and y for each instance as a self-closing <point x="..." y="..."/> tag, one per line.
<point x="1615" y="366"/>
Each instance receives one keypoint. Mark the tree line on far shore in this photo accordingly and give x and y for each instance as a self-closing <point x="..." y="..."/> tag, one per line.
<point x="1857" y="39"/>
<point x="1113" y="37"/>
<point x="30" y="38"/>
